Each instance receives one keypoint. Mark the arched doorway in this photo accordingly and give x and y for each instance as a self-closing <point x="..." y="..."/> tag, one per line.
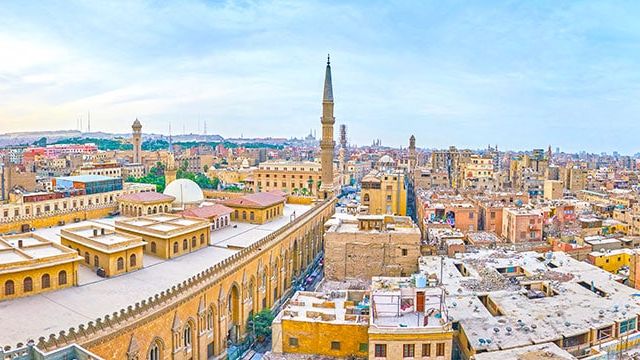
<point x="233" y="312"/>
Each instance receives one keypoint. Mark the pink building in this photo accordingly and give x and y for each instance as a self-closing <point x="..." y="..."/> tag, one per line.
<point x="522" y="225"/>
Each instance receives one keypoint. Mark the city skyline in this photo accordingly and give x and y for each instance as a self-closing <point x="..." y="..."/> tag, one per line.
<point x="450" y="73"/>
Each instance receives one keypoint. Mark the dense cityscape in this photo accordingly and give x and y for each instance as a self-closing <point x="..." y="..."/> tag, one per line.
<point x="200" y="180"/>
<point x="163" y="247"/>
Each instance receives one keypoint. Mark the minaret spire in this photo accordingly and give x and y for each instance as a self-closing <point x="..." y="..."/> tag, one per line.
<point x="327" y="144"/>
<point x="328" y="86"/>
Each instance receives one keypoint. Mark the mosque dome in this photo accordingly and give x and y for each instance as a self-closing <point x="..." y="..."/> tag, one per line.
<point x="185" y="191"/>
<point x="245" y="163"/>
<point x="386" y="159"/>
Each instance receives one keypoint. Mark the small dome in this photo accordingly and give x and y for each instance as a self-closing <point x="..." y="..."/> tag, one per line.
<point x="386" y="159"/>
<point x="185" y="191"/>
<point x="245" y="163"/>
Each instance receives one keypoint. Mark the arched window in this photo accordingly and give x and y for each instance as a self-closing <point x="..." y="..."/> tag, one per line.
<point x="153" y="247"/>
<point x="62" y="277"/>
<point x="185" y="244"/>
<point x="96" y="261"/>
<point x="251" y="216"/>
<point x="187" y="335"/>
<point x="87" y="258"/>
<point x="366" y="197"/>
<point x="210" y="320"/>
<point x="132" y="260"/>
<point x="244" y="215"/>
<point x="201" y="239"/>
<point x="193" y="242"/>
<point x="9" y="288"/>
<point x="45" y="281"/>
<point x="154" y="351"/>
<point x="236" y="214"/>
<point x="27" y="284"/>
<point x="120" y="263"/>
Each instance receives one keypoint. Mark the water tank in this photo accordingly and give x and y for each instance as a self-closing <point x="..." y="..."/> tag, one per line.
<point x="421" y="281"/>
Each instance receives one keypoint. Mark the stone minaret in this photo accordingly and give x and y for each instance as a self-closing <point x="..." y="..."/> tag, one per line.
<point x="327" y="144"/>
<point x="412" y="153"/>
<point x="137" y="142"/>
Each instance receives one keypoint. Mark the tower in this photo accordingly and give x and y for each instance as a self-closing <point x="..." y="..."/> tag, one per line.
<point x="343" y="136"/>
<point x="412" y="153"/>
<point x="327" y="144"/>
<point x="137" y="141"/>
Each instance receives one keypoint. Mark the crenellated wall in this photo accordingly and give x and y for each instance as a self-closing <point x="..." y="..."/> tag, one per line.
<point x="207" y="307"/>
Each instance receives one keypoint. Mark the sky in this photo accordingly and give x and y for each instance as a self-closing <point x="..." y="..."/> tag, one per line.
<point x="519" y="74"/>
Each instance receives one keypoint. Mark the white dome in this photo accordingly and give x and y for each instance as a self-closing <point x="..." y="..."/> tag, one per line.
<point x="185" y="191"/>
<point x="386" y="159"/>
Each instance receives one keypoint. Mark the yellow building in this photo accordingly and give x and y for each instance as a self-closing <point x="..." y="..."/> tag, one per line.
<point x="384" y="193"/>
<point x="30" y="264"/>
<point x="144" y="203"/>
<point x="310" y="323"/>
<point x="288" y="176"/>
<point x="477" y="172"/>
<point x="611" y="260"/>
<point x="103" y="248"/>
<point x="166" y="235"/>
<point x="257" y="208"/>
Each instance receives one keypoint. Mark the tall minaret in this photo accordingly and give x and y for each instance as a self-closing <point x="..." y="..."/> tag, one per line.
<point x="412" y="153"/>
<point x="137" y="142"/>
<point x="327" y="144"/>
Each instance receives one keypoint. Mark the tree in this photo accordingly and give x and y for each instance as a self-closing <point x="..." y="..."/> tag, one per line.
<point x="205" y="168"/>
<point x="155" y="177"/>
<point x="262" y="324"/>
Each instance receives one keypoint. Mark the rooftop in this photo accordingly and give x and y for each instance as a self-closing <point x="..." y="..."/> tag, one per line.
<point x="30" y="251"/>
<point x="503" y="299"/>
<point x="208" y="211"/>
<point x="86" y="178"/>
<point x="101" y="237"/>
<point x="161" y="225"/>
<point x="147" y="197"/>
<point x="42" y="314"/>
<point x="261" y="199"/>
<point x="340" y="307"/>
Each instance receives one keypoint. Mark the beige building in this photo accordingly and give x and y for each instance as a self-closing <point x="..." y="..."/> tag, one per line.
<point x="553" y="189"/>
<point x="110" y="169"/>
<point x="30" y="264"/>
<point x="388" y="245"/>
<point x="288" y="176"/>
<point x="104" y="248"/>
<point x="166" y="235"/>
<point x="145" y="203"/>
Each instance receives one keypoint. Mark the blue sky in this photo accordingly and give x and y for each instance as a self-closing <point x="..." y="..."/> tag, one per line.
<point x="520" y="74"/>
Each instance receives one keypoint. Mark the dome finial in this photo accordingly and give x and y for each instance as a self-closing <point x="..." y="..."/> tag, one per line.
<point x="328" y="60"/>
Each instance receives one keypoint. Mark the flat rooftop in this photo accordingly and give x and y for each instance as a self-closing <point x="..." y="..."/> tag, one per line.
<point x="536" y="296"/>
<point x="161" y="225"/>
<point x="100" y="237"/>
<point x="42" y="314"/>
<point x="339" y="307"/>
<point x="27" y="251"/>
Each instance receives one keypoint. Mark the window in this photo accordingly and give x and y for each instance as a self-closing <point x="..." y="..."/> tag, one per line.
<point x="154" y="352"/>
<point x="153" y="247"/>
<point x="9" y="288"/>
<point x="408" y="350"/>
<point x="132" y="260"/>
<point x="470" y="215"/>
<point x="62" y="277"/>
<point x="187" y="335"/>
<point x="426" y="350"/>
<point x="45" y="282"/>
<point x="293" y="341"/>
<point x="405" y="252"/>
<point x="27" y="285"/>
<point x="185" y="244"/>
<point x="335" y="345"/>
<point x="193" y="242"/>
<point x="244" y="214"/>
<point x="627" y="326"/>
<point x="87" y="258"/>
<point x="96" y="261"/>
<point x="175" y="247"/>
<point x="201" y="239"/>
<point x="363" y="347"/>
<point x="120" y="263"/>
<point x="380" y="350"/>
<point x="251" y="216"/>
<point x="440" y="349"/>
